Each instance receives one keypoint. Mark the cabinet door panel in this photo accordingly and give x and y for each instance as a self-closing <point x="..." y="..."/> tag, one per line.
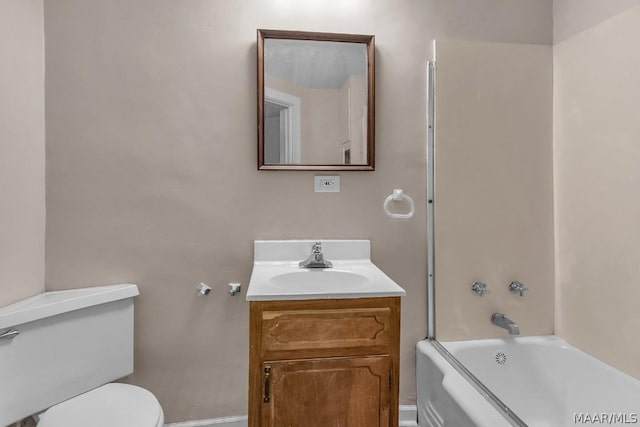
<point x="339" y="392"/>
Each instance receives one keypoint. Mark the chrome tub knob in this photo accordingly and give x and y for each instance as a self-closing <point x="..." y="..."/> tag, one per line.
<point x="518" y="287"/>
<point x="479" y="288"/>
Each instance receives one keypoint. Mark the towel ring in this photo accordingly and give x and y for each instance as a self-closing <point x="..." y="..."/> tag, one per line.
<point x="398" y="196"/>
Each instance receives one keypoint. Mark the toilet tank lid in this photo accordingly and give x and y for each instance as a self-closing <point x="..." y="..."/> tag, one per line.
<point x="52" y="303"/>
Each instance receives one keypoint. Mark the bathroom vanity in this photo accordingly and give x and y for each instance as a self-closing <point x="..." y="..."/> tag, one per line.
<point x="324" y="343"/>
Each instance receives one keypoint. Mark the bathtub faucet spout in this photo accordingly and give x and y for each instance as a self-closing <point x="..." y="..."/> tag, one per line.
<point x="504" y="322"/>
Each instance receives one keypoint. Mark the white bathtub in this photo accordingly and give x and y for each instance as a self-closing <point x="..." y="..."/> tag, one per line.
<point x="543" y="380"/>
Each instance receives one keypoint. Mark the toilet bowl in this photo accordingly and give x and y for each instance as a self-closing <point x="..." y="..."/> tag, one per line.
<point x="111" y="405"/>
<point x="60" y="352"/>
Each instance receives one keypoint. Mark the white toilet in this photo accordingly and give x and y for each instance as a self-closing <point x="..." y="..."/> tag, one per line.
<point x="112" y="405"/>
<point x="59" y="351"/>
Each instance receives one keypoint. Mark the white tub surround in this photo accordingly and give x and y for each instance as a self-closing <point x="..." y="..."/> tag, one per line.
<point x="446" y="398"/>
<point x="543" y="380"/>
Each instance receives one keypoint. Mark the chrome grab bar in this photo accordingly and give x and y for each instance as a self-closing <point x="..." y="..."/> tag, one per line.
<point x="10" y="334"/>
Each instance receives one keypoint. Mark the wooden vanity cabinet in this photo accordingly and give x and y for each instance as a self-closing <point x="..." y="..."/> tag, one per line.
<point x="319" y="363"/>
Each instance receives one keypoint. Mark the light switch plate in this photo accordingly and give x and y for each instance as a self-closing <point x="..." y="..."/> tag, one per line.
<point x="326" y="183"/>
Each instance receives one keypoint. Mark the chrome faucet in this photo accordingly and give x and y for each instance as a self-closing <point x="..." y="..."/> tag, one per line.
<point x="316" y="259"/>
<point x="518" y="288"/>
<point x="504" y="322"/>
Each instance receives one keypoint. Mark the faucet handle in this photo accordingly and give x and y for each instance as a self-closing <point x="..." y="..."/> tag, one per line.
<point x="479" y="288"/>
<point x="518" y="288"/>
<point x="317" y="247"/>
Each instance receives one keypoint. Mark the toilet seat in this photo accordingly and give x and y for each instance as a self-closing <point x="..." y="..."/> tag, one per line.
<point x="112" y="405"/>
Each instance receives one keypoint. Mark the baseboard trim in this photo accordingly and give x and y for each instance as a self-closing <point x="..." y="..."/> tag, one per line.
<point x="408" y="417"/>
<point x="237" y="421"/>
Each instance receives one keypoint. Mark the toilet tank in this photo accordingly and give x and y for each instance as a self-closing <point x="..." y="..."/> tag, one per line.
<point x="69" y="342"/>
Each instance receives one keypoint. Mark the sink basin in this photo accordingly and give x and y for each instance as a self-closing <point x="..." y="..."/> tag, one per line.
<point x="277" y="276"/>
<point x="323" y="280"/>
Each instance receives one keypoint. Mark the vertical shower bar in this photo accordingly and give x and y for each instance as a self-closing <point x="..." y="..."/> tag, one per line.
<point x="431" y="256"/>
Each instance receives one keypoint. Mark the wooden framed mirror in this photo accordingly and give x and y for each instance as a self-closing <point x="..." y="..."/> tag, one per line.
<point x="316" y="101"/>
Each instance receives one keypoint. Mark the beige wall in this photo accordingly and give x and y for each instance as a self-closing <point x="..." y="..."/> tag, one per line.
<point x="151" y="166"/>
<point x="573" y="16"/>
<point x="320" y="127"/>
<point x="356" y="89"/>
<point x="596" y="158"/>
<point x="22" y="215"/>
<point x="494" y="201"/>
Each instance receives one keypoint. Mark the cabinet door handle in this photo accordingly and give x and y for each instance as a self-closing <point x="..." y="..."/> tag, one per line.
<point x="267" y="384"/>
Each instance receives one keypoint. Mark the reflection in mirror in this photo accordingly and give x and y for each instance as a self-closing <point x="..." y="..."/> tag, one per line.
<point x="315" y="101"/>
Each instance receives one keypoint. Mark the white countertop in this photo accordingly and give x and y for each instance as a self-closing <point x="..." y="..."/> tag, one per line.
<point x="276" y="275"/>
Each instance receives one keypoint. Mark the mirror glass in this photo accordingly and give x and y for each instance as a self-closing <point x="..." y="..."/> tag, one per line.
<point x="315" y="101"/>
